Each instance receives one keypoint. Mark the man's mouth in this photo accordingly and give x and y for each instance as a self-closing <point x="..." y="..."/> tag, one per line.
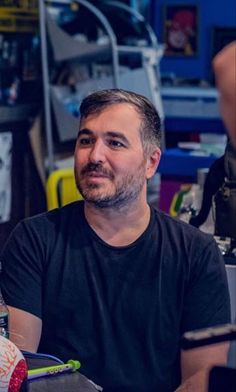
<point x="95" y="171"/>
<point x="95" y="174"/>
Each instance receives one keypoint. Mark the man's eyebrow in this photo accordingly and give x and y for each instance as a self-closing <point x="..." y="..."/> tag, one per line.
<point x="118" y="135"/>
<point x="115" y="134"/>
<point x="84" y="131"/>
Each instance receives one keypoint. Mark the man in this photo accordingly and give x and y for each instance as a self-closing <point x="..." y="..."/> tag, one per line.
<point x="110" y="281"/>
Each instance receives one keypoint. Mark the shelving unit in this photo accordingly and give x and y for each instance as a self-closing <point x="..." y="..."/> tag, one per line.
<point x="21" y="190"/>
<point x="192" y="109"/>
<point x="189" y="110"/>
<point x="68" y="49"/>
<point x="21" y="19"/>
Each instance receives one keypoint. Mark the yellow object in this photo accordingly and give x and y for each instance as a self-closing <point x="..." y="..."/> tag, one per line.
<point x="18" y="20"/>
<point x="61" y="188"/>
<point x="177" y="199"/>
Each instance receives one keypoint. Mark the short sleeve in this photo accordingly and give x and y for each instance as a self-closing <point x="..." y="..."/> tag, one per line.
<point x="207" y="301"/>
<point x="21" y="275"/>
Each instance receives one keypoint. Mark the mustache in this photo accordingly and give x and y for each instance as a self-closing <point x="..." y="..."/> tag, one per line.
<point x="96" y="167"/>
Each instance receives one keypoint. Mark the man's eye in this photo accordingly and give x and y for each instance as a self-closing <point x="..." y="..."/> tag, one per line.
<point x="115" y="144"/>
<point x="85" y="141"/>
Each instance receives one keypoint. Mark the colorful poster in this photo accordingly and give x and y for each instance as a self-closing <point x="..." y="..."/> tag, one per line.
<point x="181" y="30"/>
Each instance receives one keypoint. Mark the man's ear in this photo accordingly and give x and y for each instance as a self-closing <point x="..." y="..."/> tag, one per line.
<point x="153" y="162"/>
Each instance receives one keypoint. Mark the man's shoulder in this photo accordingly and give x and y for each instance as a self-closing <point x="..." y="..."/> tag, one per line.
<point x="178" y="229"/>
<point x="65" y="213"/>
<point x="46" y="225"/>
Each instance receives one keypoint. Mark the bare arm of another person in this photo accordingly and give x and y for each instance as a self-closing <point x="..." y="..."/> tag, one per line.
<point x="207" y="304"/>
<point x="25" y="329"/>
<point x="196" y="364"/>
<point x="224" y="66"/>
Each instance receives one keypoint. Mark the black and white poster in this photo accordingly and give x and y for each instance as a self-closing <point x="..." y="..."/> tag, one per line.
<point x="5" y="176"/>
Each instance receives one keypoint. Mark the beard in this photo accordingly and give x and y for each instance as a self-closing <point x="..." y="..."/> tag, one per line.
<point x="118" y="193"/>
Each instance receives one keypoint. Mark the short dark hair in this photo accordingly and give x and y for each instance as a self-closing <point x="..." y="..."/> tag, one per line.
<point x="150" y="131"/>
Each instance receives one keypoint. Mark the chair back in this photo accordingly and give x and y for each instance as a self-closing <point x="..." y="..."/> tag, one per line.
<point x="61" y="188"/>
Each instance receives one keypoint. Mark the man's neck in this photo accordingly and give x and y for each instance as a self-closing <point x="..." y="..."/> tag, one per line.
<point x="119" y="227"/>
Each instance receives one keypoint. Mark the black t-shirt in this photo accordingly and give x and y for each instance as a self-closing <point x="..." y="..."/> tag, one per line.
<point x="119" y="310"/>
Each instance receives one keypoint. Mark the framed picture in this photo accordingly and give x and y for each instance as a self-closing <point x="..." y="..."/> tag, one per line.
<point x="180" y="30"/>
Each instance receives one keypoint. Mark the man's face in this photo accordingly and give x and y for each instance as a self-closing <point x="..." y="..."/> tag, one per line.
<point x="110" y="167"/>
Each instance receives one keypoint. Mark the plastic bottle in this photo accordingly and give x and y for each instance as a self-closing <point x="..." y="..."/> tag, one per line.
<point x="4" y="317"/>
<point x="191" y="203"/>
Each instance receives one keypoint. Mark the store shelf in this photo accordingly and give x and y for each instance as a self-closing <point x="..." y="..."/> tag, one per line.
<point x="67" y="48"/>
<point x="179" y="163"/>
<point x="21" y="20"/>
<point x="192" y="109"/>
<point x="189" y="110"/>
<point x="16" y="113"/>
<point x="194" y="125"/>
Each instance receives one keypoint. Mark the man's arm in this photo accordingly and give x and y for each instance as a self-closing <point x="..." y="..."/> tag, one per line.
<point x="196" y="364"/>
<point x="207" y="304"/>
<point x="22" y="260"/>
<point x="25" y="329"/>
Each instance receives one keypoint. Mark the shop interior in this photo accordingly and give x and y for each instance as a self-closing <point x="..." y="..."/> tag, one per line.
<point x="48" y="64"/>
<point x="53" y="53"/>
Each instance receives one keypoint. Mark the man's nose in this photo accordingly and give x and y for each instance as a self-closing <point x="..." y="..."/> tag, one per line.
<point x="97" y="152"/>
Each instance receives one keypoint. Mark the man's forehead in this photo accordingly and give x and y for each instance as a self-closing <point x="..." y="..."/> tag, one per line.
<point x="116" y="120"/>
<point x="113" y="107"/>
